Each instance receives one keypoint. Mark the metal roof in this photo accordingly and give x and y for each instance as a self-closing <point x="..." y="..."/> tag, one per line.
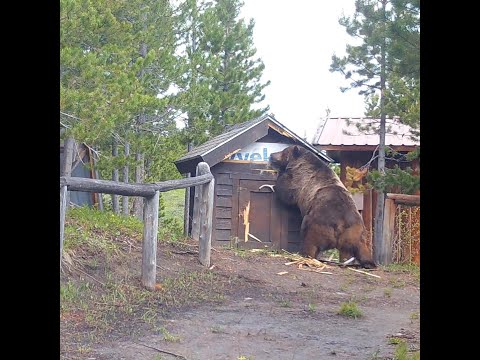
<point x="202" y="152"/>
<point x="336" y="131"/>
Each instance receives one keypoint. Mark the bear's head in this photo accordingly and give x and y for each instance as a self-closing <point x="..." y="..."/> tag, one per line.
<point x="281" y="159"/>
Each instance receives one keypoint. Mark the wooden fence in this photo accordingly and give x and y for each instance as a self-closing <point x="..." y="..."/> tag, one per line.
<point x="204" y="183"/>
<point x="401" y="230"/>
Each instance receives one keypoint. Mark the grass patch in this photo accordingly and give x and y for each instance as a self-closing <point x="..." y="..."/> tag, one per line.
<point x="331" y="253"/>
<point x="217" y="329"/>
<point x="411" y="269"/>
<point x="414" y="316"/>
<point x="394" y="341"/>
<point x="100" y="231"/>
<point x="397" y="283"/>
<point x="350" y="309"/>
<point x="402" y="353"/>
<point x="174" y="204"/>
<point x="285" y="303"/>
<point x="106" y="246"/>
<point x="387" y="292"/>
<point x="167" y="336"/>
<point x="312" y="308"/>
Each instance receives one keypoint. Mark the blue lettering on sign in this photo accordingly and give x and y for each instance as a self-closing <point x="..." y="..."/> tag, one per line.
<point x="253" y="156"/>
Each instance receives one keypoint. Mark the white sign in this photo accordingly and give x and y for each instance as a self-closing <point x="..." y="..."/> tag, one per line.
<point x="257" y="152"/>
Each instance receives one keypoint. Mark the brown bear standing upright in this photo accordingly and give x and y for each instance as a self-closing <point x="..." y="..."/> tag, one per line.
<point x="330" y="217"/>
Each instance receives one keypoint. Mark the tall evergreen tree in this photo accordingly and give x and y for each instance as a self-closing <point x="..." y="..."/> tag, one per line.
<point x="193" y="97"/>
<point x="384" y="71"/>
<point x="235" y="82"/>
<point x="116" y="67"/>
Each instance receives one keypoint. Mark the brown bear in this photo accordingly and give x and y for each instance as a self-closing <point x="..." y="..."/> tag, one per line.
<point x="330" y="217"/>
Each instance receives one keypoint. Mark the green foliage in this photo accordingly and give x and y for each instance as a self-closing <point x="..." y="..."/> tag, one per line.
<point x="116" y="70"/>
<point x="387" y="55"/>
<point x="394" y="180"/>
<point x="401" y="351"/>
<point x="350" y="309"/>
<point x="129" y="70"/>
<point x="174" y="203"/>
<point x="98" y="230"/>
<point x="221" y="79"/>
<point x="412" y="155"/>
<point x="335" y="167"/>
<point x="171" y="214"/>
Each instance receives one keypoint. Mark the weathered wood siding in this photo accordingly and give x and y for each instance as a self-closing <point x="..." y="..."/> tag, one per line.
<point x="222" y="205"/>
<point x="228" y="179"/>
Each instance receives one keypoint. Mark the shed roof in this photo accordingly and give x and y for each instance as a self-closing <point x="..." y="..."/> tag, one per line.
<point x="337" y="131"/>
<point x="234" y="139"/>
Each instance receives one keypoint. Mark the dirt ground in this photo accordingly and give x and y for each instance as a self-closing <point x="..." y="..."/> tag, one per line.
<point x="256" y="313"/>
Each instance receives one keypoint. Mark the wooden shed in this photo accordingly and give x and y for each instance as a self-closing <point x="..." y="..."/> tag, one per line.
<point x="246" y="214"/>
<point x="81" y="166"/>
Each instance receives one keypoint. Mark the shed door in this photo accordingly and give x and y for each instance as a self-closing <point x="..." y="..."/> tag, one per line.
<point x="260" y="214"/>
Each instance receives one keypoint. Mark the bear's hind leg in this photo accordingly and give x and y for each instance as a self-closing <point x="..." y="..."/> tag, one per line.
<point x="316" y="237"/>
<point x="345" y="254"/>
<point x="364" y="256"/>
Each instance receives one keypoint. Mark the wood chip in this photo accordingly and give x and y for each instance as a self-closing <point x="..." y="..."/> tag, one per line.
<point x="282" y="273"/>
<point x="254" y="237"/>
<point x="348" y="261"/>
<point x="364" y="272"/>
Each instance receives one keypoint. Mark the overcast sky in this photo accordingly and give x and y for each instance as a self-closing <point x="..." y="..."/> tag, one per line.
<point x="296" y="40"/>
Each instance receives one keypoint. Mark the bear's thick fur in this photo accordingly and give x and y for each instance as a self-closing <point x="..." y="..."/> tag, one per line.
<point x="330" y="217"/>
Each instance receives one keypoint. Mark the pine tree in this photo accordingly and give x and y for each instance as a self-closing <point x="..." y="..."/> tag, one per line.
<point x="383" y="70"/>
<point x="193" y="97"/>
<point x="235" y="74"/>
<point x="116" y="68"/>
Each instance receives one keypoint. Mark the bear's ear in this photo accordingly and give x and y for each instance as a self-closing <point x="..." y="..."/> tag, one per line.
<point x="296" y="151"/>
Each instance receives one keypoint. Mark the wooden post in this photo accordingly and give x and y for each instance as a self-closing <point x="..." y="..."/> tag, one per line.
<point x="196" y="217"/>
<point x="149" y="246"/>
<point x="138" y="201"/>
<point x="115" y="200"/>
<point x="125" y="179"/>
<point x="66" y="170"/>
<point x="385" y="255"/>
<point x="206" y="212"/>
<point x="63" y="208"/>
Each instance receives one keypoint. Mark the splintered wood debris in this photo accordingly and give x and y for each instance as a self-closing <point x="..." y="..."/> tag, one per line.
<point x="254" y="237"/>
<point x="310" y="265"/>
<point x="318" y="266"/>
<point x="364" y="272"/>
<point x="246" y="221"/>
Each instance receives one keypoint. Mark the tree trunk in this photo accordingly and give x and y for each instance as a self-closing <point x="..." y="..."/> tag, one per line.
<point x="379" y="244"/>
<point x="138" y="201"/>
<point x="186" y="209"/>
<point x="68" y="156"/>
<point x="115" y="199"/>
<point x="125" y="179"/>
<point x="97" y="176"/>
